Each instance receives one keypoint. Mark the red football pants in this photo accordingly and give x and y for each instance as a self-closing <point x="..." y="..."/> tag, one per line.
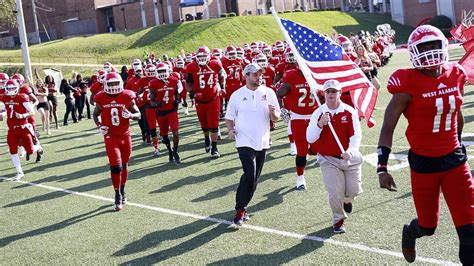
<point x="17" y="134"/>
<point x="208" y="113"/>
<point x="167" y="122"/>
<point x="151" y="117"/>
<point x="298" y="129"/>
<point x="118" y="148"/>
<point x="458" y="190"/>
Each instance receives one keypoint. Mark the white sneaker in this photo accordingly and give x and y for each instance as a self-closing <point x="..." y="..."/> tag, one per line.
<point x="186" y="111"/>
<point x="19" y="175"/>
<point x="300" y="183"/>
<point x="156" y="152"/>
<point x="293" y="149"/>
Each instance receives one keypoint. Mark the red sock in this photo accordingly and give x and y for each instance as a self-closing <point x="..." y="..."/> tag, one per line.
<point x="300" y="170"/>
<point x="290" y="137"/>
<point x="155" y="143"/>
<point x="124" y="175"/>
<point x="115" y="180"/>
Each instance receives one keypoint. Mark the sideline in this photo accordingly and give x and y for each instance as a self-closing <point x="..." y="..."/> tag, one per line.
<point x="246" y="226"/>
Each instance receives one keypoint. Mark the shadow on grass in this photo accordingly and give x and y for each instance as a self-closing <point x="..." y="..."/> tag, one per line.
<point x="57" y="226"/>
<point x="306" y="246"/>
<point x="153" y="240"/>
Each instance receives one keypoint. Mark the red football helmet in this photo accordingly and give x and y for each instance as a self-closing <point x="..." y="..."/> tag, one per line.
<point x="101" y="76"/>
<point x="179" y="63"/>
<point x="3" y="79"/>
<point x="279" y="46"/>
<point x="150" y="71"/>
<point x="108" y="67"/>
<point x="289" y="56"/>
<point x="162" y="71"/>
<point x="217" y="52"/>
<point x="240" y="52"/>
<point x="267" y="51"/>
<point x="12" y="87"/>
<point x="345" y="43"/>
<point x="261" y="60"/>
<point x="230" y="52"/>
<point x="19" y="77"/>
<point x="431" y="58"/>
<point x="203" y="55"/>
<point x="113" y="83"/>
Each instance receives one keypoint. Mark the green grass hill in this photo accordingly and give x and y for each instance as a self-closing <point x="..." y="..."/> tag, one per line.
<point x="121" y="47"/>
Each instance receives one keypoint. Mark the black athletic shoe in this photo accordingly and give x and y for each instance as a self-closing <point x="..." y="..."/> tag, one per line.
<point x="170" y="156"/>
<point x="176" y="157"/>
<point x="118" y="201"/>
<point x="408" y="245"/>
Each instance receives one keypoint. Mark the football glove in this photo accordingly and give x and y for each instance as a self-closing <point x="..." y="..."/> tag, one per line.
<point x="285" y="115"/>
<point x="103" y="130"/>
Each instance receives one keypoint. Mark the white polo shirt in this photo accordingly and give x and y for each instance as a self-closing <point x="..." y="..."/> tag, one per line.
<point x="249" y="111"/>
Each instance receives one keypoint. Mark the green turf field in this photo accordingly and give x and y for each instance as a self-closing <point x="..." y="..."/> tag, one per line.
<point x="181" y="214"/>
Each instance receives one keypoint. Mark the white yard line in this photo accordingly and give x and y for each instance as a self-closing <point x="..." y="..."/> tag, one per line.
<point x="247" y="226"/>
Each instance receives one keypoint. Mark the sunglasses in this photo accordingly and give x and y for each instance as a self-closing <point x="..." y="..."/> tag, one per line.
<point x="331" y="91"/>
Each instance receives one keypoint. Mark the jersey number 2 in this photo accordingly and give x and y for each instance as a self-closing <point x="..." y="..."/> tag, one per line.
<point x="439" y="113"/>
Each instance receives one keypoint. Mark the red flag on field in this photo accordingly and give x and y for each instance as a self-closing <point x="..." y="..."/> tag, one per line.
<point x="321" y="59"/>
<point x="456" y="32"/>
<point x="468" y="63"/>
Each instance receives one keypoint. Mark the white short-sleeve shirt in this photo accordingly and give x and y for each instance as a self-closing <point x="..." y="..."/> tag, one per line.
<point x="249" y="111"/>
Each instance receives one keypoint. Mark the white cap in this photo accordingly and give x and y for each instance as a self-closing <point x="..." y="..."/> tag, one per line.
<point x="332" y="84"/>
<point x="252" y="68"/>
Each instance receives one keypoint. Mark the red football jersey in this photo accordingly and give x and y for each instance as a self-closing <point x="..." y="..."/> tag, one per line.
<point x="112" y="108"/>
<point x="130" y="85"/>
<point x="433" y="109"/>
<point x="233" y="69"/>
<point x="15" y="105"/>
<point x="300" y="98"/>
<point x="165" y="92"/>
<point x="97" y="87"/>
<point x="143" y="83"/>
<point x="205" y="79"/>
<point x="268" y="76"/>
<point x="284" y="66"/>
<point x="25" y="89"/>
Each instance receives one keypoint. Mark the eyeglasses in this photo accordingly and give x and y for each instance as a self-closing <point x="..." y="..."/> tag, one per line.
<point x="331" y="91"/>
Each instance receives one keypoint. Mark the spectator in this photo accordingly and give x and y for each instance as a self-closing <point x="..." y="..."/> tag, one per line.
<point x="81" y="101"/>
<point x="68" y="92"/>
<point x="52" y="98"/>
<point x="124" y="74"/>
<point x="340" y="166"/>
<point x="250" y="110"/>
<point x="41" y="91"/>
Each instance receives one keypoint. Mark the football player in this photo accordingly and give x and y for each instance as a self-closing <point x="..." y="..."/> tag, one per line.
<point x="233" y="67"/>
<point x="302" y="104"/>
<point x="183" y="93"/>
<point x="116" y="107"/>
<point x="18" y="110"/>
<point x="430" y="96"/>
<point x="202" y="79"/>
<point x="97" y="86"/>
<point x="165" y="97"/>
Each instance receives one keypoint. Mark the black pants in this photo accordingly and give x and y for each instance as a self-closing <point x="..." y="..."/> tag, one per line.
<point x="78" y="106"/>
<point x="252" y="164"/>
<point x="143" y="122"/>
<point x="70" y="109"/>
<point x="84" y="102"/>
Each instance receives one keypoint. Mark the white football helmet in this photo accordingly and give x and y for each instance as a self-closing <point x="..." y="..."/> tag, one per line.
<point x="431" y="58"/>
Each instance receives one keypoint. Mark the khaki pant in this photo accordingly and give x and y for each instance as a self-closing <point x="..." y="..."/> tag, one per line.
<point x="343" y="181"/>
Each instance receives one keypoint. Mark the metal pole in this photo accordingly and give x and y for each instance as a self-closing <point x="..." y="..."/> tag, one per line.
<point x="23" y="40"/>
<point x="157" y="15"/>
<point x="142" y="5"/>
<point x="33" y="6"/>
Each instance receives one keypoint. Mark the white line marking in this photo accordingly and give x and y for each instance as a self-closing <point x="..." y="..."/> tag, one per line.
<point x="248" y="226"/>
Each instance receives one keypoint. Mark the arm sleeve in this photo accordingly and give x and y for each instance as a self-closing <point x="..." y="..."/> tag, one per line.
<point x="313" y="131"/>
<point x="354" y="140"/>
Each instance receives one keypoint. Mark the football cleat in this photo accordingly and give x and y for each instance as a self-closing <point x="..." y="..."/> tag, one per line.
<point x="19" y="175"/>
<point x="156" y="152"/>
<point x="39" y="156"/>
<point x="215" y="154"/>
<point x="408" y="245"/>
<point x="207" y="149"/>
<point x="118" y="201"/>
<point x="293" y="149"/>
<point x="27" y="158"/>
<point x="170" y="156"/>
<point x="177" y="159"/>
<point x="240" y="217"/>
<point x="300" y="183"/>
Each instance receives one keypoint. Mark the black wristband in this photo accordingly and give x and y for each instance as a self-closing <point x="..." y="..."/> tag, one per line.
<point x="383" y="153"/>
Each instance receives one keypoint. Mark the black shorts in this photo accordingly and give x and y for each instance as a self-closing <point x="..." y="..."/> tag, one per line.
<point x="45" y="106"/>
<point x="53" y="100"/>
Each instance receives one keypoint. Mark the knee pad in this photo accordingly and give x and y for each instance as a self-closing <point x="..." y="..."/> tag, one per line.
<point x="420" y="230"/>
<point x="115" y="169"/>
<point x="213" y="130"/>
<point x="166" y="140"/>
<point x="153" y="132"/>
<point x="205" y="129"/>
<point x="301" y="161"/>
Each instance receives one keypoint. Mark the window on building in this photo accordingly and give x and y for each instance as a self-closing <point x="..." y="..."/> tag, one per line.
<point x="424" y="1"/>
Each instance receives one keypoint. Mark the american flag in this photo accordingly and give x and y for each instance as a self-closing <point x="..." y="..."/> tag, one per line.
<point x="326" y="60"/>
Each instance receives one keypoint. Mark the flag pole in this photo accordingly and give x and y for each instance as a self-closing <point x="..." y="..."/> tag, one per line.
<point x="309" y="79"/>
